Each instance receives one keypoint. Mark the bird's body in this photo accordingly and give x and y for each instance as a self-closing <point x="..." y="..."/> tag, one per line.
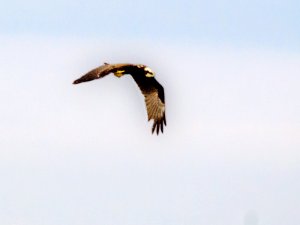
<point x="144" y="77"/>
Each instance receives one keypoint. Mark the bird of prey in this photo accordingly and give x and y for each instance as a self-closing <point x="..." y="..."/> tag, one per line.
<point x="144" y="77"/>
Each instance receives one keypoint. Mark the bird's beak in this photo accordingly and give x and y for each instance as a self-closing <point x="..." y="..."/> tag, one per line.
<point x="150" y="75"/>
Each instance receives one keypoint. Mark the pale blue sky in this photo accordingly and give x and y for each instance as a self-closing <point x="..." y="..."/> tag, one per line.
<point x="256" y="23"/>
<point x="84" y="155"/>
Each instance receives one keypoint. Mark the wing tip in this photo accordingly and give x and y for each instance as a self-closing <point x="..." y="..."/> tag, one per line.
<point x="76" y="82"/>
<point x="158" y="126"/>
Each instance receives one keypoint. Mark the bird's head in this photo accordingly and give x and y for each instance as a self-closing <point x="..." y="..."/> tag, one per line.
<point x="148" y="72"/>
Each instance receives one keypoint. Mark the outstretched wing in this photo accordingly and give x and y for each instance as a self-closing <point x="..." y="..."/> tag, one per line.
<point x="154" y="99"/>
<point x="102" y="71"/>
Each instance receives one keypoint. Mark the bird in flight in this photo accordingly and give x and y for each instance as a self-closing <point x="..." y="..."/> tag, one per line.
<point x="144" y="77"/>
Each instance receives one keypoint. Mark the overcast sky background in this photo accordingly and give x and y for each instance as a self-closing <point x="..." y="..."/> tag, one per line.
<point x="75" y="155"/>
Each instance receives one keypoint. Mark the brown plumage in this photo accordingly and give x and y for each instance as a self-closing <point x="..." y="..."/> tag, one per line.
<point x="144" y="77"/>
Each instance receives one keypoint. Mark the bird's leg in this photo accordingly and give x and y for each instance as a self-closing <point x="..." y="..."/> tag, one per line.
<point x="119" y="73"/>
